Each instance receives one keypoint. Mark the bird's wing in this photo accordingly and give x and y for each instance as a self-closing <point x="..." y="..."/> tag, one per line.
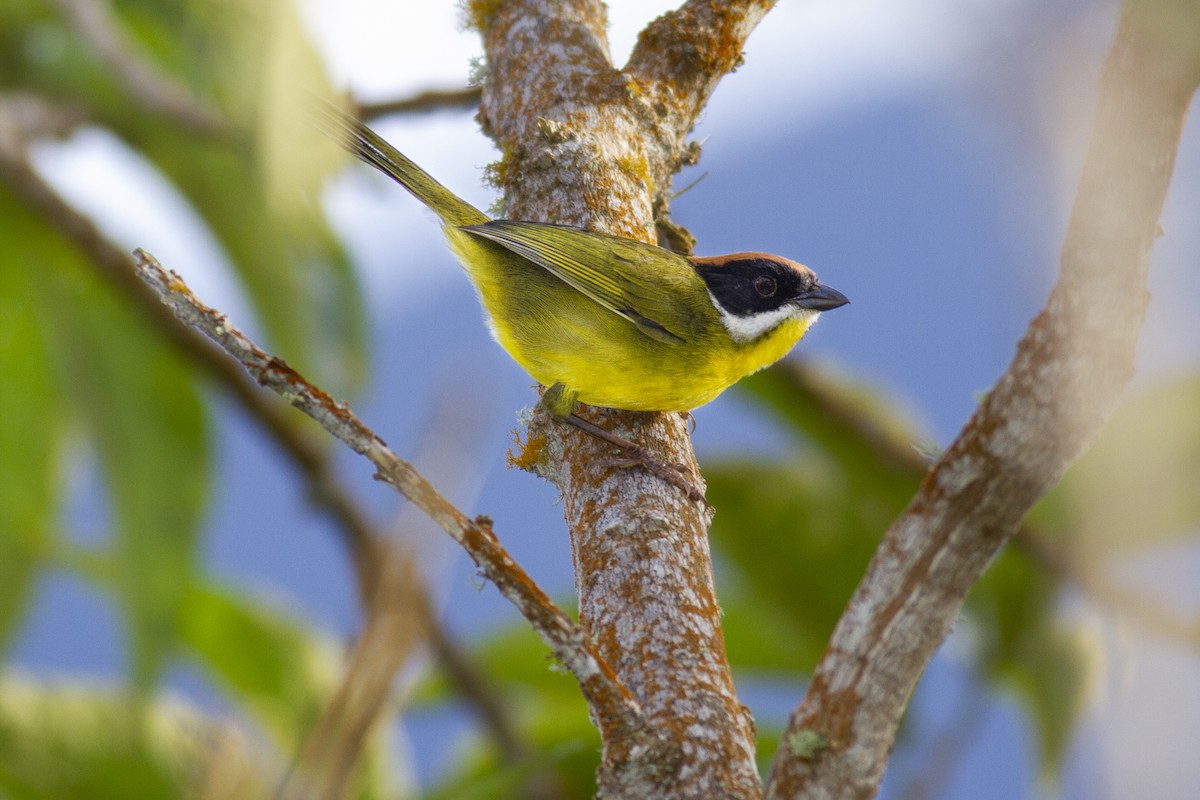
<point x="625" y="276"/>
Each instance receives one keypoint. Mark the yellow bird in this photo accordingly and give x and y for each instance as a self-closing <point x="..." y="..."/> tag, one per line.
<point x="610" y="321"/>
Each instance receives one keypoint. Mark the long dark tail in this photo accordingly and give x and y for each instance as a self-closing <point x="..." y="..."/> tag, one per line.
<point x="369" y="146"/>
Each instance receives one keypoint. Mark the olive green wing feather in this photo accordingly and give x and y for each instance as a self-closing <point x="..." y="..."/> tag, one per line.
<point x="635" y="280"/>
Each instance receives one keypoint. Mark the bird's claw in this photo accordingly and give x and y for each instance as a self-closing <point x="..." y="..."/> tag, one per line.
<point x="674" y="474"/>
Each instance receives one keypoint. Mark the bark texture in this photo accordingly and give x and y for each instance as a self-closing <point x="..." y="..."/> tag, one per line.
<point x="588" y="144"/>
<point x="1062" y="386"/>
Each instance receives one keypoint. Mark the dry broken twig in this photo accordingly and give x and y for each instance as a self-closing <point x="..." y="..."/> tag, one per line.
<point x="24" y="118"/>
<point x="617" y="714"/>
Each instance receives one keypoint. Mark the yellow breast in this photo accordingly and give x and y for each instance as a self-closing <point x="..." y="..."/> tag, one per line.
<point x="627" y="370"/>
<point x="560" y="336"/>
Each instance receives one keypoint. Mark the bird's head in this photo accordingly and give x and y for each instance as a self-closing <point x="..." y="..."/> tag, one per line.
<point x="755" y="292"/>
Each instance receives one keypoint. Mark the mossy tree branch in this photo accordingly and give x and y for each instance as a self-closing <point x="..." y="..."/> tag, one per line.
<point x="1059" y="391"/>
<point x="586" y="143"/>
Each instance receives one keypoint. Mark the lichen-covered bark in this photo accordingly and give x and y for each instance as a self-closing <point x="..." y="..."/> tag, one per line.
<point x="588" y="144"/>
<point x="1063" y="384"/>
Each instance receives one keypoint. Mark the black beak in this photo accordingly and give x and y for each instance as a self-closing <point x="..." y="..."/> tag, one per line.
<point x="821" y="298"/>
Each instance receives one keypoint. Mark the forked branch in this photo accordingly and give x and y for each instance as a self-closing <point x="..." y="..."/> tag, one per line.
<point x="590" y="144"/>
<point x="617" y="714"/>
<point x="1061" y="388"/>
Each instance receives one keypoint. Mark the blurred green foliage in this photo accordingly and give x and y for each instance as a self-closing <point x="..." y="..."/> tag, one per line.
<point x="75" y="740"/>
<point x="792" y="539"/>
<point x="836" y="500"/>
<point x="86" y="376"/>
<point x="83" y="372"/>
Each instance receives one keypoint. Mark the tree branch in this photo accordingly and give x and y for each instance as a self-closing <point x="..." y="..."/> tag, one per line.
<point x="421" y="103"/>
<point x="327" y="763"/>
<point x="679" y="60"/>
<point x="1063" y="384"/>
<point x="618" y="715"/>
<point x="94" y="22"/>
<point x="811" y="394"/>
<point x="588" y="145"/>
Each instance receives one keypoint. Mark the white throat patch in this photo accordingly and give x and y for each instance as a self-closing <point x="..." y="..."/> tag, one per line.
<point x="746" y="329"/>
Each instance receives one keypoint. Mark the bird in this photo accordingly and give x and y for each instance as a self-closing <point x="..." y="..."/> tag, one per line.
<point x="606" y="320"/>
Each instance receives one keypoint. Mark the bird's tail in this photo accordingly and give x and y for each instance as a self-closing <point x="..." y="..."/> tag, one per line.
<point x="369" y="146"/>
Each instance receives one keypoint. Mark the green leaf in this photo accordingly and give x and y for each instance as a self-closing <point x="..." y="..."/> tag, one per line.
<point x="272" y="662"/>
<point x="516" y="659"/>
<point x="82" y="742"/>
<point x="761" y="638"/>
<point x="280" y="669"/>
<point x="31" y="415"/>
<point x="798" y="536"/>
<point x="548" y="712"/>
<point x="1024" y="648"/>
<point x="1137" y="485"/>
<point x="255" y="181"/>
<point x="1054" y="672"/>
<point x="293" y="269"/>
<point x="1135" y="488"/>
<point x="564" y="752"/>
<point x="1012" y="596"/>
<point x="851" y="422"/>
<point x="257" y="184"/>
<point x="139" y="407"/>
<point x="149" y="423"/>
<point x="136" y="404"/>
<point x="566" y="766"/>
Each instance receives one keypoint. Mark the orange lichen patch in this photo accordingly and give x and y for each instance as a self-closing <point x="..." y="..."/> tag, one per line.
<point x="636" y="166"/>
<point x="176" y="284"/>
<point x="497" y="173"/>
<point x="529" y="453"/>
<point x="477" y="14"/>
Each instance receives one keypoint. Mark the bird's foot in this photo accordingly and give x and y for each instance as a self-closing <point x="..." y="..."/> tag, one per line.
<point x="638" y="456"/>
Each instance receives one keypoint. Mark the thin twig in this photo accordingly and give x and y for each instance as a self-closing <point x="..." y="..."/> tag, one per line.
<point x="94" y="21"/>
<point x="447" y="458"/>
<point x="113" y="266"/>
<point x="25" y="116"/>
<point x="315" y="466"/>
<point x="617" y="713"/>
<point x="424" y="102"/>
<point x="474" y="686"/>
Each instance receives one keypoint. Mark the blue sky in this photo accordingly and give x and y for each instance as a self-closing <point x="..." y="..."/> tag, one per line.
<point x="921" y="157"/>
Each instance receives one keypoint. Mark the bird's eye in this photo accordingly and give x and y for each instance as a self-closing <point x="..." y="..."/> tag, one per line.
<point x="764" y="285"/>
